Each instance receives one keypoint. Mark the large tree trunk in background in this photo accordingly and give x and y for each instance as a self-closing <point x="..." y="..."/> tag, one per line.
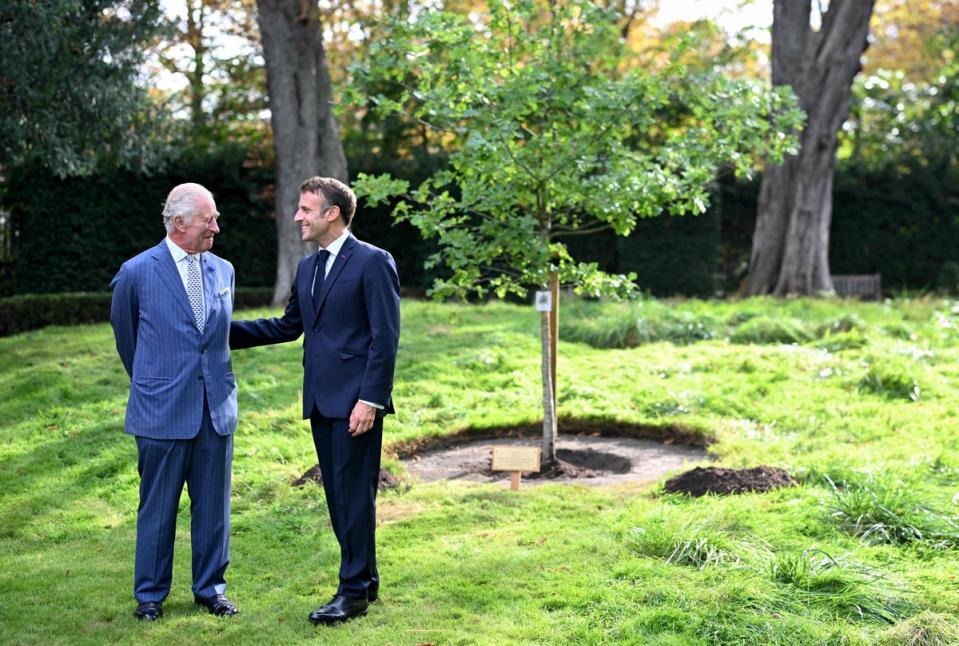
<point x="305" y="135"/>
<point x="790" y="253"/>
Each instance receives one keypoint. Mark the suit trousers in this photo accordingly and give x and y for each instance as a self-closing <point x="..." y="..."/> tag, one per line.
<point x="350" y="467"/>
<point x="204" y="464"/>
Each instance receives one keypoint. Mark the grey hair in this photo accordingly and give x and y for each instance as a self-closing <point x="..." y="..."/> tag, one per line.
<point x="183" y="201"/>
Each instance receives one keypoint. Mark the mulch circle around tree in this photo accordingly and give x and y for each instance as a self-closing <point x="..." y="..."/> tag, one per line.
<point x="593" y="454"/>
<point x="702" y="480"/>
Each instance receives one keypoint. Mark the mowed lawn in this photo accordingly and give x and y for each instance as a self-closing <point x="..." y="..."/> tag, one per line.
<point x="859" y="401"/>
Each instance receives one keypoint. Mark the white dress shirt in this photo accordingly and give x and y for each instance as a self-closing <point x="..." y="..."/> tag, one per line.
<point x="334" y="249"/>
<point x="179" y="259"/>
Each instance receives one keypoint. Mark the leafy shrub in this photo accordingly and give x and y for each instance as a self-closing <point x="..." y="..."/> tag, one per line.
<point x="762" y="329"/>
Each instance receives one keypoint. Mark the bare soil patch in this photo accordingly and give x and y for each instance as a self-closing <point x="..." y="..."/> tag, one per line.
<point x="703" y="480"/>
<point x="585" y="459"/>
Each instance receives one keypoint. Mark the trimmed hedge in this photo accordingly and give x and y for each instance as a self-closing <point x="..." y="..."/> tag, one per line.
<point x="73" y="234"/>
<point x="34" y="311"/>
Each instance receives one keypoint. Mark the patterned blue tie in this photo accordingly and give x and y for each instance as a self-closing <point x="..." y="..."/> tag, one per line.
<point x="194" y="288"/>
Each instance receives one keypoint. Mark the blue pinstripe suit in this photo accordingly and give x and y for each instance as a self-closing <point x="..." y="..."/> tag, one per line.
<point x="182" y="410"/>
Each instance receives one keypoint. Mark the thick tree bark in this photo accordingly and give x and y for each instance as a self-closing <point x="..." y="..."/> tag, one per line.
<point x="790" y="253"/>
<point x="305" y="135"/>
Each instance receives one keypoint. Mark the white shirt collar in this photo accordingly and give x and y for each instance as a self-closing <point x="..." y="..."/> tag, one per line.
<point x="178" y="252"/>
<point x="335" y="246"/>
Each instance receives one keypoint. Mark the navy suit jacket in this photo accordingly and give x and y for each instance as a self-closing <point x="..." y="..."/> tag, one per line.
<point x="170" y="363"/>
<point x="350" y="343"/>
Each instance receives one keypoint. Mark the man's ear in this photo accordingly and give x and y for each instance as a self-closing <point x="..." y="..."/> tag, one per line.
<point x="333" y="218"/>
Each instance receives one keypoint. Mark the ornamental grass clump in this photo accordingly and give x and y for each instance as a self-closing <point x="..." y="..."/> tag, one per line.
<point x="885" y="511"/>
<point x="891" y="381"/>
<point x="765" y="330"/>
<point x="690" y="546"/>
<point x="845" y="589"/>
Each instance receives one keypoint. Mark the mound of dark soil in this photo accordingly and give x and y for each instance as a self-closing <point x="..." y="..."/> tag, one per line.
<point x="582" y="463"/>
<point x="701" y="481"/>
<point x="386" y="480"/>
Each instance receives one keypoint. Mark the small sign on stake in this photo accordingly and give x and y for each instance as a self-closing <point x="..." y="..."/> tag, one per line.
<point x="515" y="459"/>
<point x="544" y="301"/>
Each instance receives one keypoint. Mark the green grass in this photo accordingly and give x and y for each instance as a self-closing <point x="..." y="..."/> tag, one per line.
<point x="862" y="552"/>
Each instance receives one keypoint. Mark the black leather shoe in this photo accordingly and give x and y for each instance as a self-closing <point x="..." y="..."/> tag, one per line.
<point x="218" y="604"/>
<point x="149" y="610"/>
<point x="340" y="608"/>
<point x="372" y="594"/>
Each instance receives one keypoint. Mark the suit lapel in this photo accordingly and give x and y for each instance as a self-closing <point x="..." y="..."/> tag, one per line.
<point x="338" y="263"/>
<point x="170" y="277"/>
<point x="304" y="288"/>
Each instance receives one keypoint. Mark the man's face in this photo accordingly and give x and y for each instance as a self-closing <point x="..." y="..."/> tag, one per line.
<point x="313" y="218"/>
<point x="197" y="235"/>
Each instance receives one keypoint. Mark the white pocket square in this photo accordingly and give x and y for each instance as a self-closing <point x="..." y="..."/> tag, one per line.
<point x="223" y="292"/>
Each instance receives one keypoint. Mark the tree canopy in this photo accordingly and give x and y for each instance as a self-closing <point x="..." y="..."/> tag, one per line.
<point x="553" y="138"/>
<point x="68" y="85"/>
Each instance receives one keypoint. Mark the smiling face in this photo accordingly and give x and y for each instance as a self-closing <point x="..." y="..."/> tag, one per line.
<point x="318" y="222"/>
<point x="196" y="235"/>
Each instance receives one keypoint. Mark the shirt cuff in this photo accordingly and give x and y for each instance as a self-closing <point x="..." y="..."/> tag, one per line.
<point x="379" y="406"/>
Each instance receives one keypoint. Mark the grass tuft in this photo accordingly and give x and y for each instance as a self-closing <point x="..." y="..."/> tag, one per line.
<point x="925" y="629"/>
<point x="766" y="330"/>
<point x="890" y="381"/>
<point x="689" y="545"/>
<point x="885" y="511"/>
<point x="845" y="589"/>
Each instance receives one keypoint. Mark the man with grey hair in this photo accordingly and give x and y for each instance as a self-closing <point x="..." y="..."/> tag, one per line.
<point x="171" y="312"/>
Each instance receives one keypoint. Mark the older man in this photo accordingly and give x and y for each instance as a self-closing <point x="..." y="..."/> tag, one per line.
<point x="171" y="312"/>
<point x="345" y="301"/>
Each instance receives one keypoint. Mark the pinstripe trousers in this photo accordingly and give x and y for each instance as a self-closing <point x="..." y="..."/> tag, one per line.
<point x="204" y="464"/>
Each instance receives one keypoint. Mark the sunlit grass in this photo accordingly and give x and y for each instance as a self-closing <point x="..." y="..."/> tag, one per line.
<point x="862" y="552"/>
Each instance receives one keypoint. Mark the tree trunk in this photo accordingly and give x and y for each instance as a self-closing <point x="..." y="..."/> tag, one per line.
<point x="553" y="331"/>
<point x="305" y="135"/>
<point x="790" y="253"/>
<point x="549" y="403"/>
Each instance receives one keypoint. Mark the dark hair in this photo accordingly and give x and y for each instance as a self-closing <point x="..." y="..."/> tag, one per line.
<point x="335" y="192"/>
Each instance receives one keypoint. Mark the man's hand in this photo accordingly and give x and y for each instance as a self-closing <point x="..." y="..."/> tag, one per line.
<point x="361" y="419"/>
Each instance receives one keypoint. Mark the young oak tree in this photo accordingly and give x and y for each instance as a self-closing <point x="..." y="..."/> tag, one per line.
<point x="553" y="136"/>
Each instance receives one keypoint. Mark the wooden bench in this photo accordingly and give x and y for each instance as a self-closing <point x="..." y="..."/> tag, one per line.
<point x="862" y="286"/>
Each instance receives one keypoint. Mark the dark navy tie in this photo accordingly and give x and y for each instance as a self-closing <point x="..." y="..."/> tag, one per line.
<point x="320" y="276"/>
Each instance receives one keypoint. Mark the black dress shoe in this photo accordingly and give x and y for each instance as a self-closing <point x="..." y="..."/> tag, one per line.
<point x="372" y="594"/>
<point x="340" y="608"/>
<point x="218" y="604"/>
<point x="149" y="610"/>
